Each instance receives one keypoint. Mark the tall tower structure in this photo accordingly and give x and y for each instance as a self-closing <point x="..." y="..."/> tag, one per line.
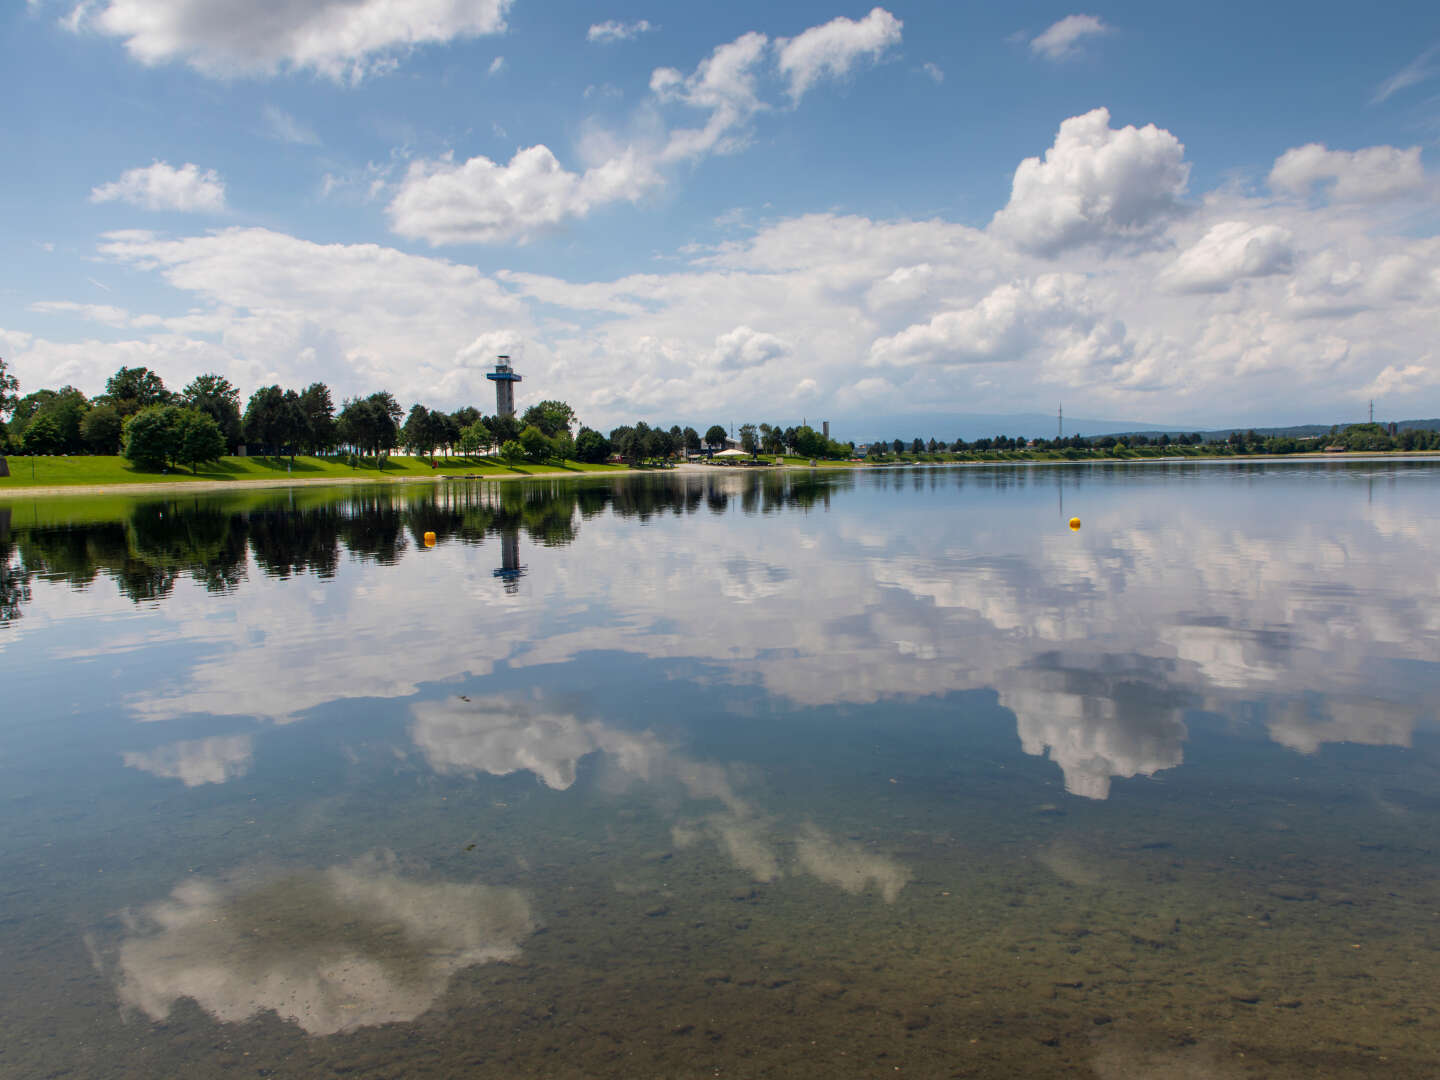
<point x="505" y="379"/>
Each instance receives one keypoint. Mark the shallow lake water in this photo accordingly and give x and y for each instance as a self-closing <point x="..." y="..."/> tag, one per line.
<point x="728" y="775"/>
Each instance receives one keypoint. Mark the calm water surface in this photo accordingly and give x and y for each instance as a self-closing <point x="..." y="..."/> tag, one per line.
<point x="728" y="775"/>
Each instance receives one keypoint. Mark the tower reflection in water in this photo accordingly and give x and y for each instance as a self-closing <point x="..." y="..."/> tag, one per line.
<point x="510" y="570"/>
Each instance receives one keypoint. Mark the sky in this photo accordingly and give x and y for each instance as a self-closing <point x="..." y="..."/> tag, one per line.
<point x="891" y="218"/>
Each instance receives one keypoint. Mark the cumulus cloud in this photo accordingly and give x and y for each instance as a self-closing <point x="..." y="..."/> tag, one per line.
<point x="1096" y="185"/>
<point x="348" y="947"/>
<point x="1229" y="251"/>
<point x="832" y="49"/>
<point x="746" y="348"/>
<point x="481" y="201"/>
<point x="1376" y="172"/>
<point x="344" y="40"/>
<point x="935" y="72"/>
<point x="1006" y="324"/>
<point x="1061" y="39"/>
<point x="612" y="30"/>
<point x="161" y="186"/>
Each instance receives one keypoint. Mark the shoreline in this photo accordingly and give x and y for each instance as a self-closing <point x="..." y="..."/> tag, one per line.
<point x="216" y="486"/>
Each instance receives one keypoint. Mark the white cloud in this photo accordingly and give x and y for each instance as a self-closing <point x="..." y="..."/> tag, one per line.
<point x="1419" y="70"/>
<point x="1050" y="312"/>
<point x="612" y="30"/>
<point x="935" y="72"/>
<point x="163" y="187"/>
<point x="1376" y="172"/>
<point x="496" y="66"/>
<point x="746" y="348"/>
<point x="484" y="202"/>
<point x="344" y="40"/>
<point x="1229" y="251"/>
<point x="1061" y="39"/>
<point x="280" y="125"/>
<point x="1096" y="185"/>
<point x="723" y="84"/>
<point x="832" y="49"/>
<point x="481" y="201"/>
<point x="106" y="314"/>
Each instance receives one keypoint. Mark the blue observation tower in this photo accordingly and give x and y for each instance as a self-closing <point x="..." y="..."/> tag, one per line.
<point x="504" y="378"/>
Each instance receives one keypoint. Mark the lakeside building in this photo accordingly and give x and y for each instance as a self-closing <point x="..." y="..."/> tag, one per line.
<point x="504" y="378"/>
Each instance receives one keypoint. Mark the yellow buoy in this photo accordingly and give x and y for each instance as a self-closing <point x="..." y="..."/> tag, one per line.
<point x="430" y="537"/>
<point x="1075" y="524"/>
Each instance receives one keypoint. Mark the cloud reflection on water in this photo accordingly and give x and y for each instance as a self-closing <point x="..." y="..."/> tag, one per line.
<point x="197" y="761"/>
<point x="501" y="735"/>
<point x="1205" y="592"/>
<point x="330" y="950"/>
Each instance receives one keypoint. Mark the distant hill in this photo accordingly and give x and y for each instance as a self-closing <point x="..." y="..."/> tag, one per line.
<point x="1298" y="431"/>
<point x="971" y="426"/>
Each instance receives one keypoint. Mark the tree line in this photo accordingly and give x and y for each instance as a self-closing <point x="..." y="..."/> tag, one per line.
<point x="138" y="416"/>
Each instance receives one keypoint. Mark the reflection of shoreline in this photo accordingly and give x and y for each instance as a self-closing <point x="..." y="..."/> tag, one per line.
<point x="220" y="486"/>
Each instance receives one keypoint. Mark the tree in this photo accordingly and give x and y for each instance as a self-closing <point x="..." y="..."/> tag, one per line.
<point x="200" y="438"/>
<point x="474" y="438"/>
<point x="132" y="389"/>
<point x="274" y="421"/>
<point x="715" y="437"/>
<point x="216" y="398"/>
<point x="591" y="446"/>
<point x="537" y="447"/>
<point x="42" y="436"/>
<point x="162" y="435"/>
<point x="9" y="390"/>
<point x="808" y="443"/>
<point x="551" y="417"/>
<point x="511" y="452"/>
<point x="503" y="428"/>
<point x="692" y="440"/>
<point x="100" y="431"/>
<point x="748" y="441"/>
<point x="64" y="408"/>
<point x="151" y="436"/>
<point x="318" y="412"/>
<point x="562" y="446"/>
<point x="418" y="434"/>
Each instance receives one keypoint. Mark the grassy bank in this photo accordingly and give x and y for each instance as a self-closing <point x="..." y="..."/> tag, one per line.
<point x="81" y="471"/>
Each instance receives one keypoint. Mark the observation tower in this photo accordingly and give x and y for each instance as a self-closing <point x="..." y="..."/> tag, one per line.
<point x="504" y="378"/>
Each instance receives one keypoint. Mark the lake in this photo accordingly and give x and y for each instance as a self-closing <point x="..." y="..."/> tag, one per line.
<point x="834" y="774"/>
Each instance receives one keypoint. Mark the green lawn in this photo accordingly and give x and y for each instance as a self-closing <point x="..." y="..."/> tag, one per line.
<point x="28" y="472"/>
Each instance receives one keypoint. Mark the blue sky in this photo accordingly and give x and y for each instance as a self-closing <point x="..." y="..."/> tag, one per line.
<point x="1180" y="216"/>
